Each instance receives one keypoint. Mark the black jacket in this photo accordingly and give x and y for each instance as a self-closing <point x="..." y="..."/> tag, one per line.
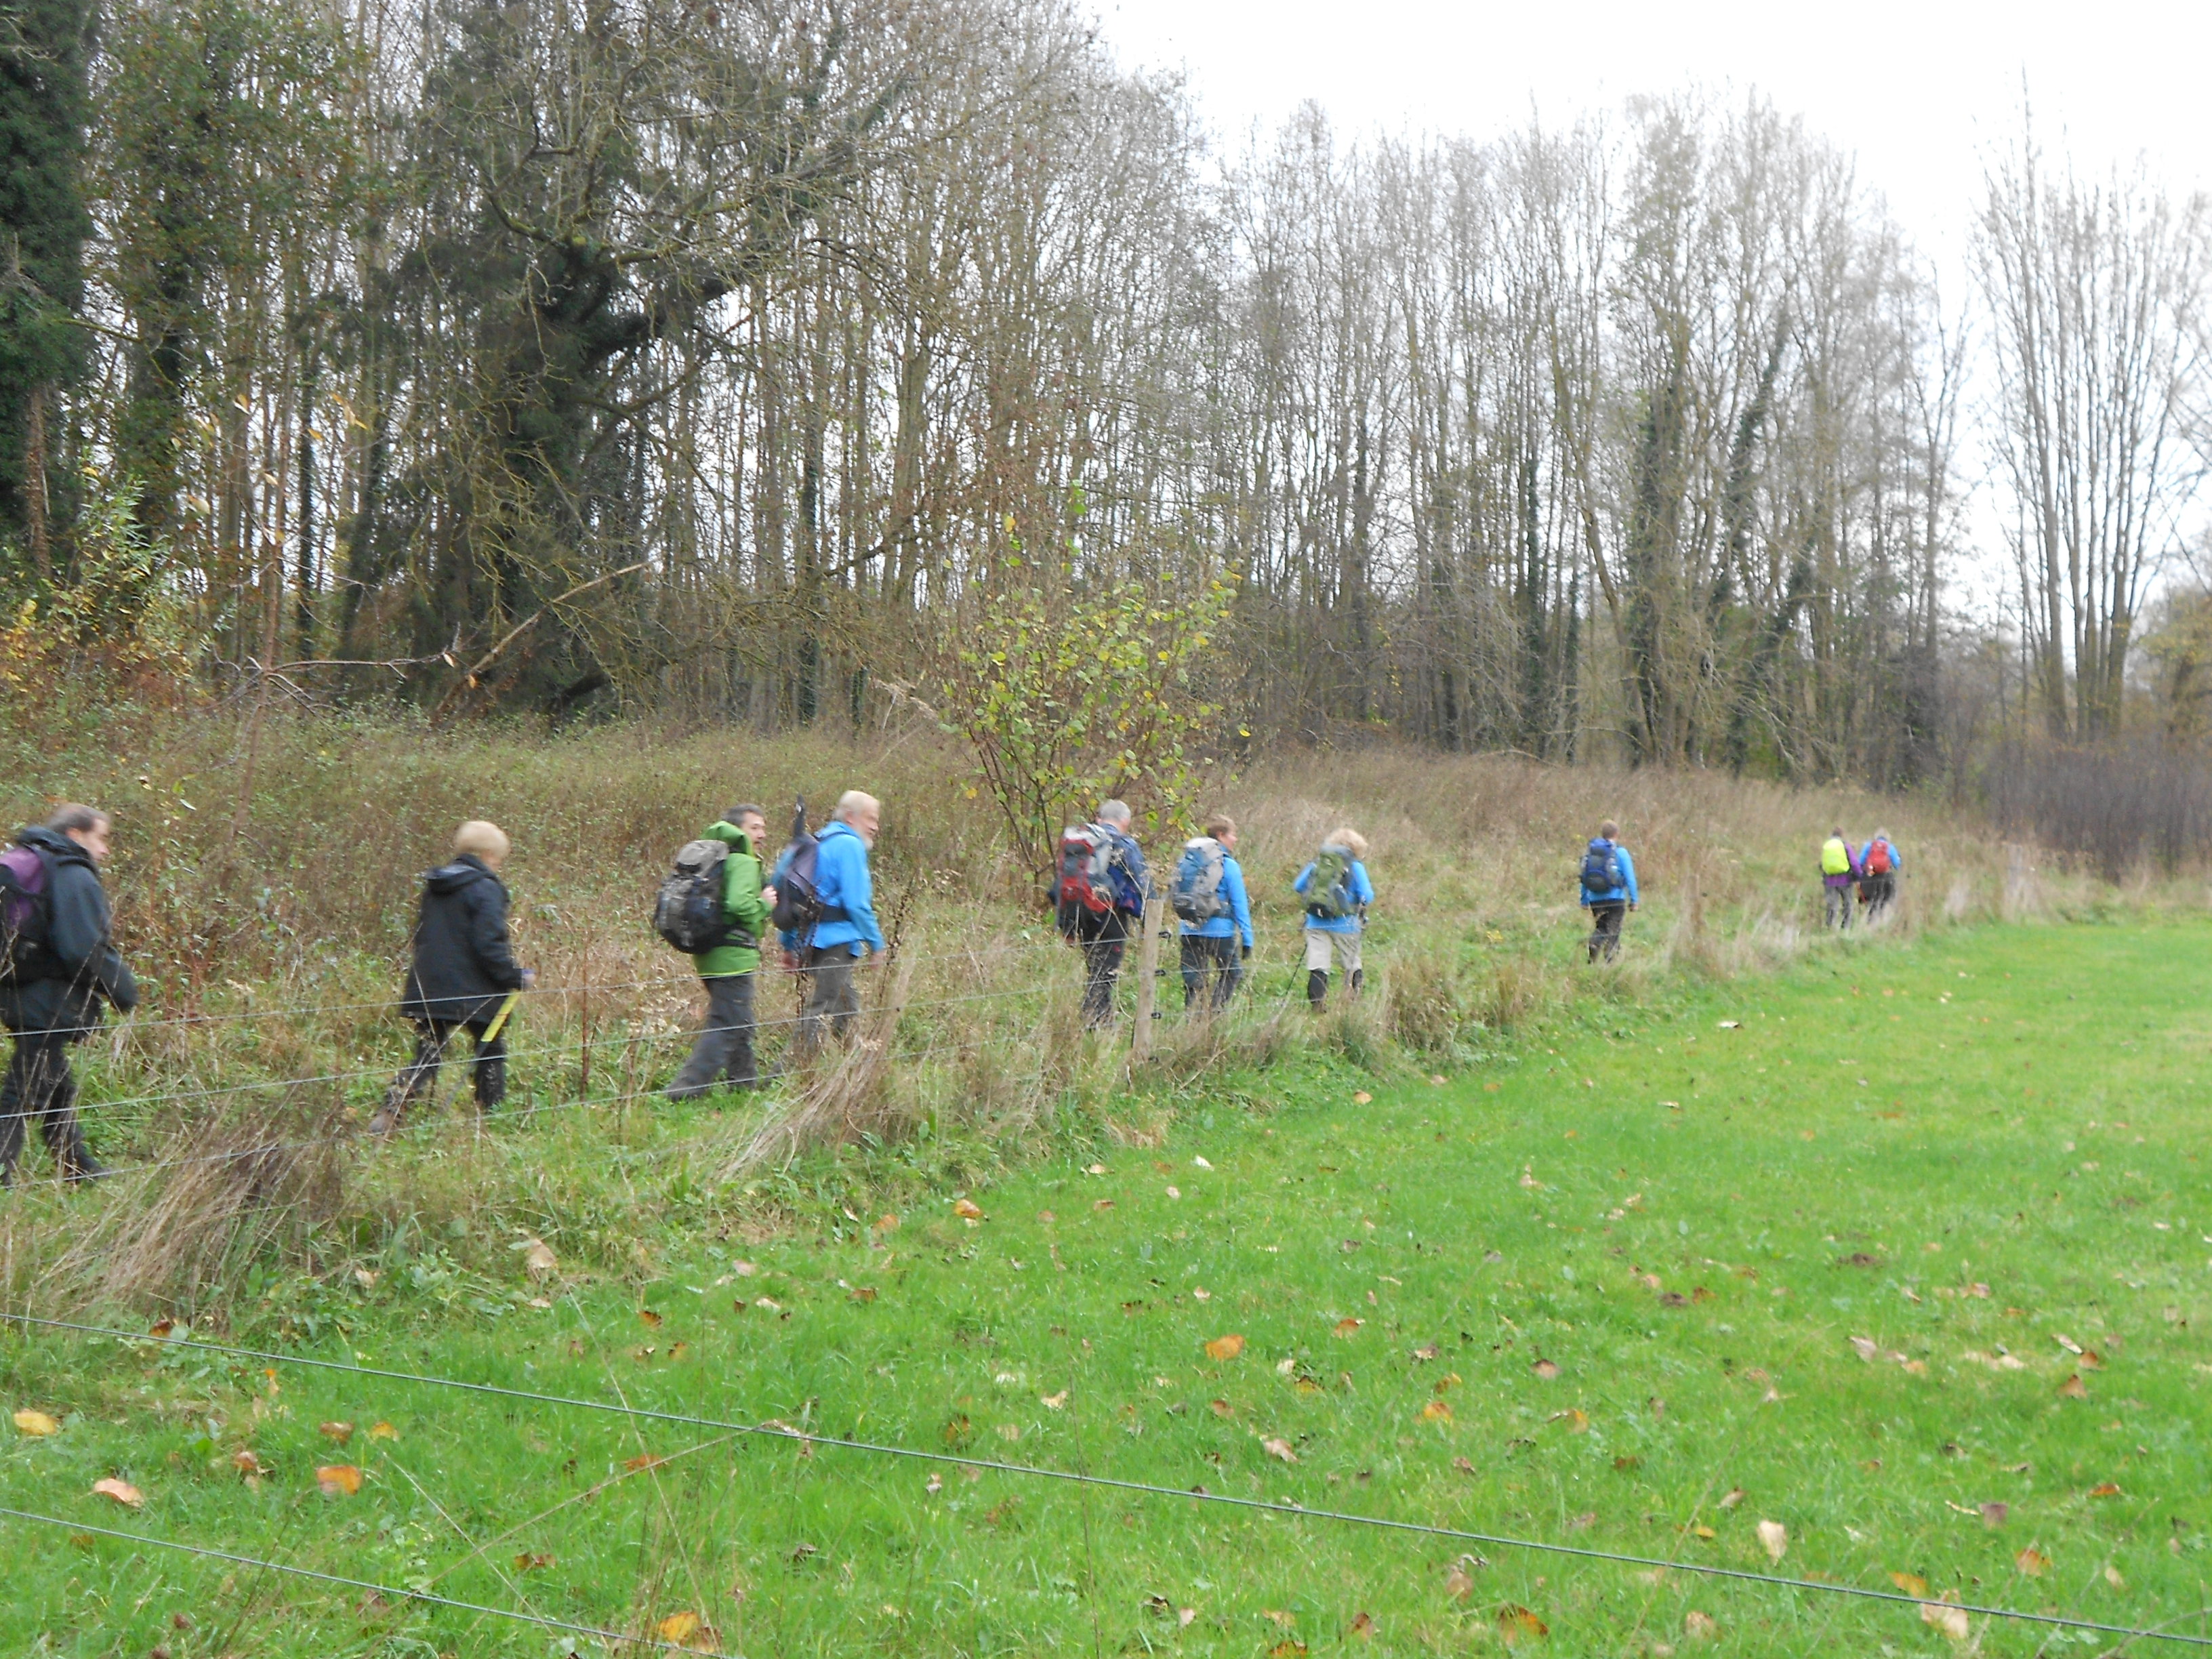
<point x="80" y="967"/>
<point x="464" y="965"/>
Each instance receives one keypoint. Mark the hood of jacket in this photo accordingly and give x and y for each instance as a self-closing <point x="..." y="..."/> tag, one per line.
<point x="729" y="835"/>
<point x="462" y="872"/>
<point x="835" y="826"/>
<point x="55" y="845"/>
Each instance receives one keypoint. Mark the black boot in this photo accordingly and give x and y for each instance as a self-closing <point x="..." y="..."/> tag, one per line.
<point x="1358" y="981"/>
<point x="1317" y="988"/>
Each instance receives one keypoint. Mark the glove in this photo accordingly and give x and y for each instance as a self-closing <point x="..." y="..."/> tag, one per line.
<point x="1248" y="954"/>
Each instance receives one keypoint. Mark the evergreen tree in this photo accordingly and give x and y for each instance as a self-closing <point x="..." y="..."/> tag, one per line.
<point x="44" y="45"/>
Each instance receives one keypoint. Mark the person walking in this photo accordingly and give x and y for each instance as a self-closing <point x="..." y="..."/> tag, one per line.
<point x="1099" y="900"/>
<point x="462" y="975"/>
<point x="1216" y="914"/>
<point x="730" y="969"/>
<point x="1839" y="877"/>
<point x="1608" y="882"/>
<point x="830" y="949"/>
<point x="1880" y="866"/>
<point x="1337" y="892"/>
<point x="59" y="965"/>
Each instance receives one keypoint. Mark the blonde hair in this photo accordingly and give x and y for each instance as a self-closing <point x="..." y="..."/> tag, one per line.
<point x="1351" y="840"/>
<point x="482" y="837"/>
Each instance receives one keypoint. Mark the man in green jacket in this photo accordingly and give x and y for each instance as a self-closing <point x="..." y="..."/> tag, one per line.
<point x="725" y="1041"/>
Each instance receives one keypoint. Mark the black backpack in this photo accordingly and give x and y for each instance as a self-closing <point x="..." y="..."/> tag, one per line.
<point x="798" y="905"/>
<point x="688" y="910"/>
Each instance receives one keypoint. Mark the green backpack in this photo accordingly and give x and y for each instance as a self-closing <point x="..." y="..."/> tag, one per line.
<point x="1328" y="894"/>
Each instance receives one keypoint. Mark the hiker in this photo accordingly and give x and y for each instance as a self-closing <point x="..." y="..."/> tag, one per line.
<point x="829" y="950"/>
<point x="1209" y="898"/>
<point x="58" y="965"/>
<point x="464" y="975"/>
<point x="1880" y="866"/>
<point x="1098" y="896"/>
<point x="1608" y="878"/>
<point x="1839" y="877"/>
<point x="723" y="867"/>
<point x="1337" y="894"/>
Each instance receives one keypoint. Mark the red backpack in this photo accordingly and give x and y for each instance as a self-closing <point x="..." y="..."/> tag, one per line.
<point x="1877" y="859"/>
<point x="1086" y="854"/>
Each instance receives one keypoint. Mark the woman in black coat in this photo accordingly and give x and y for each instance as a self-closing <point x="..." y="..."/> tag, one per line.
<point x="463" y="971"/>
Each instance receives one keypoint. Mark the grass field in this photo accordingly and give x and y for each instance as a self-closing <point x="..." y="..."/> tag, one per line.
<point x="1814" y="1250"/>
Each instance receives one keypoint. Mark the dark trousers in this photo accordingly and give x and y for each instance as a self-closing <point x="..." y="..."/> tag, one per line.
<point x="1836" y="905"/>
<point x="40" y="1085"/>
<point x="1103" y="938"/>
<point x="1606" y="917"/>
<point x="833" y="1000"/>
<point x="724" y="1042"/>
<point x="1878" y="891"/>
<point x="1211" y="965"/>
<point x="487" y="1067"/>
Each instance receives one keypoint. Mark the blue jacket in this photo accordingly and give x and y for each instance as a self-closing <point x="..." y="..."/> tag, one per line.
<point x="1896" y="858"/>
<point x="1627" y="888"/>
<point x="841" y="876"/>
<point x="1128" y="874"/>
<point x="1363" y="895"/>
<point x="1239" y="921"/>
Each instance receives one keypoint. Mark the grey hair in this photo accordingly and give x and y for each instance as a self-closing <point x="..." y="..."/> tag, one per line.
<point x="76" y="818"/>
<point x="742" y="810"/>
<point x="1114" y="811"/>
<point x="854" y="801"/>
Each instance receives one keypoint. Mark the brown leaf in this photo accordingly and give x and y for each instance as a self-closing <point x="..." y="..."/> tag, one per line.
<point x="1276" y="1446"/>
<point x="2113" y="1576"/>
<point x="1362" y="1098"/>
<point x="1994" y="1514"/>
<point x="1276" y="1616"/>
<point x="1362" y="1626"/>
<point x="956" y="1429"/>
<point x="1221" y="1408"/>
<point x="2072" y="1388"/>
<point x="1288" y="1648"/>
<point x="1348" y="1326"/>
<point x="122" y="1491"/>
<point x="1436" y="1412"/>
<point x="1911" y="1583"/>
<point x="1459" y="1584"/>
<point x="338" y="1479"/>
<point x="650" y="1319"/>
<point x="1774" y="1538"/>
<point x="383" y="1431"/>
<point x="1449" y="1379"/>
<point x="2105" y="1489"/>
<point x="1224" y="1347"/>
<point x="1951" y="1620"/>
<point x="2032" y="1562"/>
<point x="1515" y="1622"/>
<point x="1545" y="1369"/>
<point x="679" y="1626"/>
<point x="340" y="1432"/>
<point x="247" y="1461"/>
<point x="1427" y="1351"/>
<point x="2092" y="1360"/>
<point x="967" y="1209"/>
<point x="861" y="1293"/>
<point x="1866" y="1348"/>
<point x="1053" y="1402"/>
<point x="526" y="1562"/>
<point x="36" y="1423"/>
<point x="1462" y="1465"/>
<point x="641" y="1461"/>
<point x="1102" y="1204"/>
<point x="1700" y="1627"/>
<point x="1732" y="1497"/>
<point x="537" y="1260"/>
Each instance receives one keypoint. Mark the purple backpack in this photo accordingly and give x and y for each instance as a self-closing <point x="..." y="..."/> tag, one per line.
<point x="23" y="893"/>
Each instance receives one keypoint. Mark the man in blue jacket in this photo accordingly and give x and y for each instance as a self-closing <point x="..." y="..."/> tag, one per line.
<point x="846" y="934"/>
<point x="1211" y="959"/>
<point x="1104" y="936"/>
<point x="63" y="968"/>
<point x="1880" y="866"/>
<point x="1608" y="878"/>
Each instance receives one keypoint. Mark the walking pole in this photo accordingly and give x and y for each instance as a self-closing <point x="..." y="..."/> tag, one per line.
<point x="499" y="1020"/>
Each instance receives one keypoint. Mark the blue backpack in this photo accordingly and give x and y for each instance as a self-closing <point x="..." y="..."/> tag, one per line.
<point x="1198" y="896"/>
<point x="1601" y="867"/>
<point x="799" y="903"/>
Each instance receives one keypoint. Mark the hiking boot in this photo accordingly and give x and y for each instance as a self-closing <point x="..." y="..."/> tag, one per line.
<point x="1317" y="988"/>
<point x="86" y="1170"/>
<point x="386" y="1120"/>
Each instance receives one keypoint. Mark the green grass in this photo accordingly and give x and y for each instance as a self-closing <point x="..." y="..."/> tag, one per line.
<point x="1959" y="1149"/>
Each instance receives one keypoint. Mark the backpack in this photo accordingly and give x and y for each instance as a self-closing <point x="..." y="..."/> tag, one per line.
<point x="798" y="905"/>
<point x="1086" y="882"/>
<point x="1835" y="857"/>
<point x="1877" y="859"/>
<point x="1198" y="896"/>
<point x="26" y="904"/>
<point x="1601" y="867"/>
<point x="688" y="910"/>
<point x="1328" y="892"/>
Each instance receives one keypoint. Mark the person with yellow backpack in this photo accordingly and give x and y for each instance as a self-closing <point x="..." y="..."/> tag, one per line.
<point x="1839" y="879"/>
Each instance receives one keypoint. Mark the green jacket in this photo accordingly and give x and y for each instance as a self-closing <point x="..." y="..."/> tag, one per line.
<point x="741" y="902"/>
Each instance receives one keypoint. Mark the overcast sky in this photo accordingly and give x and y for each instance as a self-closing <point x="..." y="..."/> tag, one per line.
<point x="1915" y="88"/>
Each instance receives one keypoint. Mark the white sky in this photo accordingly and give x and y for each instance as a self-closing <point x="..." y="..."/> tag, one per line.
<point x="1915" y="88"/>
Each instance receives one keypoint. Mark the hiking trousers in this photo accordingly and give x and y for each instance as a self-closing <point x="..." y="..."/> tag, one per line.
<point x="40" y="1085"/>
<point x="1103" y="940"/>
<point x="1211" y="967"/>
<point x="1836" y="907"/>
<point x="833" y="1000"/>
<point x="487" y="1069"/>
<point x="1878" y="891"/>
<point x="724" y="1042"/>
<point x="1606" y="917"/>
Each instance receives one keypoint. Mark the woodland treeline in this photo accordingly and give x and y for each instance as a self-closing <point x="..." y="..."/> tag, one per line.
<point x="730" y="357"/>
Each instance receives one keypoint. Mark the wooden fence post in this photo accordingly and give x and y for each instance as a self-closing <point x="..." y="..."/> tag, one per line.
<point x="1148" y="981"/>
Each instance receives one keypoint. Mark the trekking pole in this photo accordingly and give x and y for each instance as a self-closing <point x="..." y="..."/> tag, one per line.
<point x="499" y="1020"/>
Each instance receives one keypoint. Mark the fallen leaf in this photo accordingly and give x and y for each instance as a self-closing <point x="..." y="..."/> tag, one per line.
<point x="1577" y="1420"/>
<point x="1994" y="1514"/>
<point x="1221" y="1408"/>
<point x="245" y="1460"/>
<point x="679" y="1626"/>
<point x="934" y="1485"/>
<point x="861" y="1293"/>
<point x="2113" y="1576"/>
<point x="1276" y="1616"/>
<point x="1102" y="1204"/>
<point x="1362" y="1098"/>
<point x="1427" y="1351"/>
<point x="1545" y="1369"/>
<point x="1459" y="1584"/>
<point x="1449" y="1379"/>
<point x="1911" y="1583"/>
<point x="1200" y="1163"/>
<point x="122" y="1491"/>
<point x="1732" y="1497"/>
<point x="2066" y="1342"/>
<point x="1587" y="1518"/>
<point x="1288" y="1648"/>
<point x="1462" y="1465"/>
<point x="650" y="1319"/>
<point x="1706" y="1533"/>
<point x="36" y="1423"/>
<point x="1199" y="1293"/>
<point x="526" y="1562"/>
<point x="1275" y="1446"/>
<point x="537" y="1260"/>
<point x="1700" y="1627"/>
<point x="1362" y="1626"/>
<point x="2092" y="1360"/>
<point x="1096" y="1168"/>
<point x="1774" y="1538"/>
<point x="768" y="1302"/>
<point x="2073" y="1388"/>
<point x="2032" y="1562"/>
<point x="1866" y="1348"/>
<point x="161" y="1327"/>
<point x="1436" y="1412"/>
<point x="643" y="1461"/>
<point x="383" y="1431"/>
<point x="1184" y="1616"/>
<point x="744" y="1269"/>
<point x="1951" y="1620"/>
<point x="1515" y="1622"/>
<point x="1053" y="1402"/>
<point x="341" y="1432"/>
<point x="338" y="1479"/>
<point x="1224" y="1347"/>
<point x="2105" y="1489"/>
<point x="1348" y="1327"/>
<point x="967" y="1209"/>
<point x="1009" y="1431"/>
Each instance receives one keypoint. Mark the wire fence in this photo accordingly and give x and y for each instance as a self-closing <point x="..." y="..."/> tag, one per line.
<point x="1141" y="1488"/>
